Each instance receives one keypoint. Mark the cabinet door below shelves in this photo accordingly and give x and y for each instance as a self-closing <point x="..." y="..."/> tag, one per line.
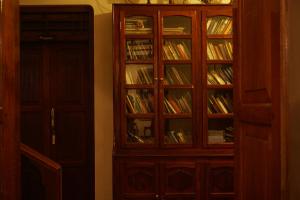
<point x="220" y="181"/>
<point x="179" y="180"/>
<point x="139" y="178"/>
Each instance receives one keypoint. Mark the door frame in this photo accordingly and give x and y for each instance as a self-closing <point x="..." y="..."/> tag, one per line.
<point x="9" y="115"/>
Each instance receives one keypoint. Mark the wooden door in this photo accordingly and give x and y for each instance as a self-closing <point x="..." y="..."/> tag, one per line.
<point x="71" y="115"/>
<point x="56" y="112"/>
<point x="259" y="150"/>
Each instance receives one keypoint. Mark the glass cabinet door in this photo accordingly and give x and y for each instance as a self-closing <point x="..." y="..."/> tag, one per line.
<point x="139" y="77"/>
<point x="177" y="65"/>
<point x="219" y="78"/>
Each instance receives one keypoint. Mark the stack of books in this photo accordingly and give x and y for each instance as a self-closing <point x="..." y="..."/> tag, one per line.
<point x="139" y="49"/>
<point x="219" y="103"/>
<point x="139" y="75"/>
<point x="139" y="103"/>
<point x="219" y="75"/>
<point x="173" y="30"/>
<point x="219" y="50"/>
<point x="175" y="75"/>
<point x="138" y="25"/>
<point x="175" y="105"/>
<point x="219" y="25"/>
<point x="176" y="50"/>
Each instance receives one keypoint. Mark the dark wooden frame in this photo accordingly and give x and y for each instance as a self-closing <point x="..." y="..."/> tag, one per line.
<point x="91" y="135"/>
<point x="9" y="98"/>
<point x="199" y="155"/>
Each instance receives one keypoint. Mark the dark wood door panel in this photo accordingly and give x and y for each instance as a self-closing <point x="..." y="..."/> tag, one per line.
<point x="32" y="130"/>
<point x="32" y="71"/>
<point x="139" y="178"/>
<point x="71" y="137"/>
<point x="69" y="74"/>
<point x="256" y="55"/>
<point x="256" y="167"/>
<point x="73" y="178"/>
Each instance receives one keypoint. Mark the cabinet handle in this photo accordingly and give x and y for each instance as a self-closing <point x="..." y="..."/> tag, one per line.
<point x="46" y="38"/>
<point x="157" y="196"/>
<point x="155" y="78"/>
<point x="161" y="79"/>
<point x="53" y="126"/>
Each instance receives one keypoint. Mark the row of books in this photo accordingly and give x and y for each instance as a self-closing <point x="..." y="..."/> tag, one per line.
<point x="176" y="50"/>
<point x="138" y="25"/>
<point x="175" y="75"/>
<point x="219" y="75"/>
<point x="139" y="75"/>
<point x="139" y="103"/>
<point x="139" y="49"/>
<point x="219" y="50"/>
<point x="219" y="103"/>
<point x="221" y="136"/>
<point x="219" y="25"/>
<point x="177" y="137"/>
<point x="174" y="30"/>
<point x="181" y="104"/>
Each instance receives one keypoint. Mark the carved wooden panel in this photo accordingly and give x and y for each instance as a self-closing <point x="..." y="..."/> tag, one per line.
<point x="255" y="149"/>
<point x="256" y="55"/>
<point x="179" y="178"/>
<point x="69" y="74"/>
<point x="139" y="177"/>
<point x="31" y="74"/>
<point x="220" y="179"/>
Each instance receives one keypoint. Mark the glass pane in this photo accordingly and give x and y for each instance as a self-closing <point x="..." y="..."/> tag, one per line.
<point x="177" y="25"/>
<point x="219" y="25"/>
<point x="138" y="25"/>
<point x="139" y="74"/>
<point x="219" y="102"/>
<point x="219" y="74"/>
<point x="139" y="101"/>
<point x="177" y="49"/>
<point x="178" y="131"/>
<point x="177" y="74"/>
<point x="139" y="50"/>
<point x="220" y="131"/>
<point x="177" y="101"/>
<point x="219" y="49"/>
<point x="140" y="131"/>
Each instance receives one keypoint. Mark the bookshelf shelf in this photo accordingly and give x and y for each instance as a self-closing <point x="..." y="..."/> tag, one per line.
<point x="216" y="36"/>
<point x="177" y="36"/>
<point x="139" y="61"/>
<point x="178" y="86"/>
<point x="218" y="116"/>
<point x="219" y="61"/>
<point x="220" y="87"/>
<point x="177" y="115"/>
<point x="162" y="97"/>
<point x="136" y="86"/>
<point x="140" y="116"/>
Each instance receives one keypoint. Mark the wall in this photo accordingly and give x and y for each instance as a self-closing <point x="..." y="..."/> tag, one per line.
<point x="294" y="99"/>
<point x="103" y="88"/>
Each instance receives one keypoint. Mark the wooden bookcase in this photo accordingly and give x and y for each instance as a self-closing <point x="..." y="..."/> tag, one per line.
<point x="173" y="102"/>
